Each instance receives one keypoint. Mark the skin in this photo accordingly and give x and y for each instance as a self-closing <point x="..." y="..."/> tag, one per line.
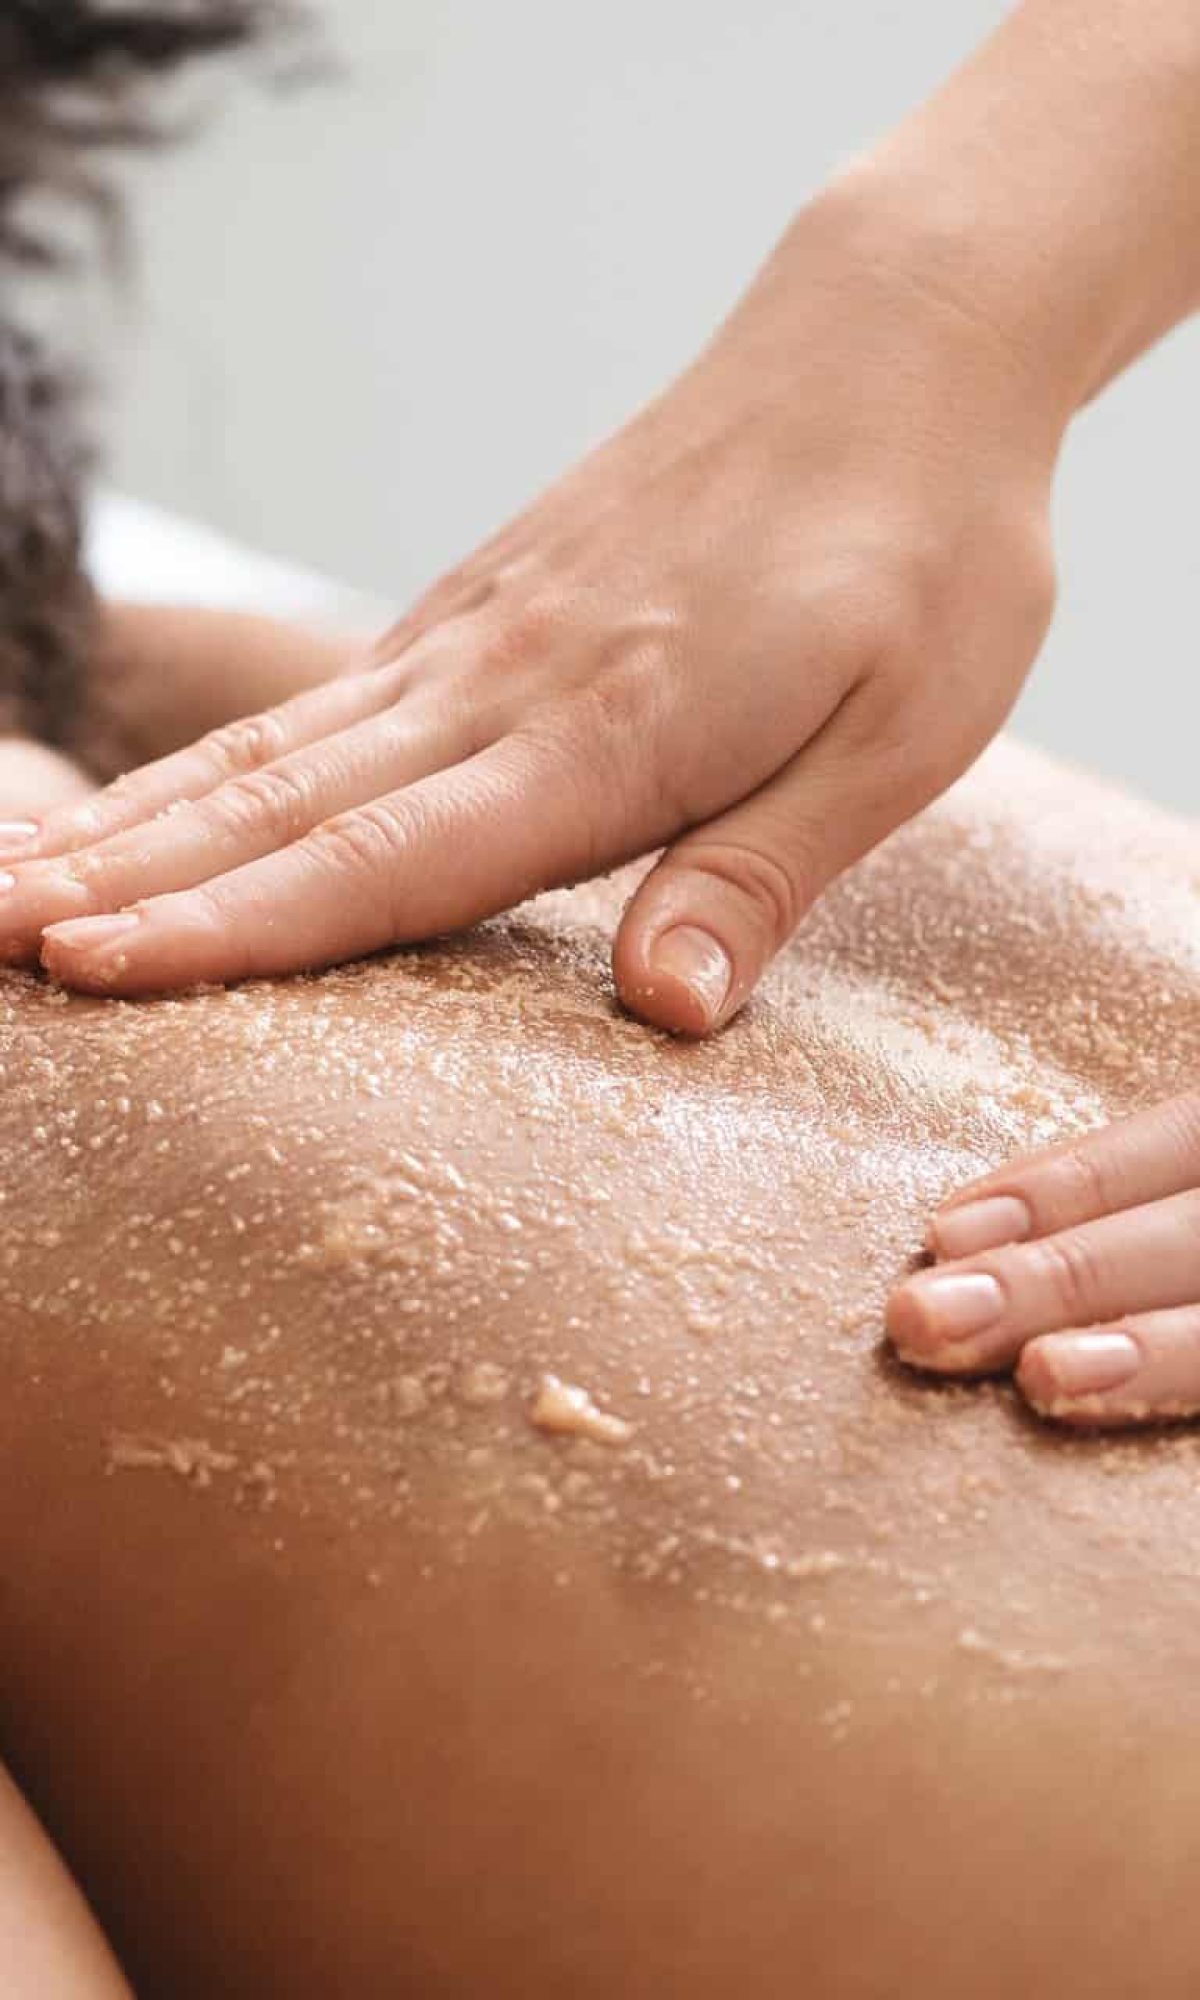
<point x="761" y="626"/>
<point x="50" y="1946"/>
<point x="330" y="1672"/>
<point x="1100" y="1237"/>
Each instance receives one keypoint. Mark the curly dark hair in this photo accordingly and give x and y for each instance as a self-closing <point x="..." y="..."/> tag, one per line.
<point x="75" y="77"/>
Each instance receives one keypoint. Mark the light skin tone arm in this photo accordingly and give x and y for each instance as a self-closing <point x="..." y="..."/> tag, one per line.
<point x="762" y="625"/>
<point x="50" y="1947"/>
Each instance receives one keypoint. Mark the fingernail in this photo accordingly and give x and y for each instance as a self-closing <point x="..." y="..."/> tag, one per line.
<point x="17" y="834"/>
<point x="980" y="1225"/>
<point x="957" y="1305"/>
<point x="7" y="881"/>
<point x="1086" y="1364"/>
<point x="92" y="936"/>
<point x="698" y="962"/>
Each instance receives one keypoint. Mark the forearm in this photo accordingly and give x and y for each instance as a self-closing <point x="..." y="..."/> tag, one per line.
<point x="1052" y="186"/>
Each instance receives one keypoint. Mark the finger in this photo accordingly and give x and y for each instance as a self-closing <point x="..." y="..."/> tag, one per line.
<point x="973" y="1316"/>
<point x="701" y="929"/>
<point x="1145" y="1158"/>
<point x="241" y="821"/>
<point x="444" y="852"/>
<point x="188" y="774"/>
<point x="1144" y="1369"/>
<point x="468" y="586"/>
<point x="461" y="591"/>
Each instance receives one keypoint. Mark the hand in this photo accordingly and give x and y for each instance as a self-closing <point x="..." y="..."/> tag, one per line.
<point x="766" y="623"/>
<point x="1080" y="1267"/>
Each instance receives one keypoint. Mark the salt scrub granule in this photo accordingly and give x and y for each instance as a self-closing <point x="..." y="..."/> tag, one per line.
<point x="409" y="1396"/>
<point x="190" y="1459"/>
<point x="483" y="1384"/>
<point x="568" y="1411"/>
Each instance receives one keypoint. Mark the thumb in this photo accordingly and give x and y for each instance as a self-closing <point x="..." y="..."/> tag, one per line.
<point x="701" y="930"/>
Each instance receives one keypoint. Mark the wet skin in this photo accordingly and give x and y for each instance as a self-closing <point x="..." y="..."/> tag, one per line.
<point x="332" y="1673"/>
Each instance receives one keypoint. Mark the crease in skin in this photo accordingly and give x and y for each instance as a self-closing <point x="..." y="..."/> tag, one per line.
<point x="341" y="1231"/>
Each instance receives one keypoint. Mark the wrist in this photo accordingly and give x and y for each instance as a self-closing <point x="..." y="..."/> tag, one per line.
<point x="1051" y="187"/>
<point x="929" y="233"/>
<point x="912" y="266"/>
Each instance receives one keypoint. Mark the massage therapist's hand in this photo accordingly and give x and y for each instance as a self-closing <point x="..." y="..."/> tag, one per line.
<point x="1080" y="1268"/>
<point x="764" y="624"/>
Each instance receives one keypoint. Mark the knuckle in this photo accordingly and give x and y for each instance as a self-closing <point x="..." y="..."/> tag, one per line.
<point x="527" y="632"/>
<point x="432" y="659"/>
<point x="363" y="845"/>
<point x="1080" y="1182"/>
<point x="278" y="800"/>
<point x="1183" y="1122"/>
<point x="1066" y="1266"/>
<point x="458" y="593"/>
<point x="244" y="745"/>
<point x="609" y="706"/>
<point x="401" y="672"/>
<point x="762" y="882"/>
<point x="424" y="610"/>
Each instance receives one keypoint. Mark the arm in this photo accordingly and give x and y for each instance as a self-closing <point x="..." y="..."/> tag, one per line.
<point x="1053" y="185"/>
<point x="50" y="1947"/>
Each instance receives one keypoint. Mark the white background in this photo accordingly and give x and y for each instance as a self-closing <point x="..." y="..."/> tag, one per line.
<point x="375" y="317"/>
